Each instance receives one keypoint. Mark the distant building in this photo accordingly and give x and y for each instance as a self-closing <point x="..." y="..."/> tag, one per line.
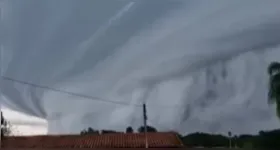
<point x="109" y="140"/>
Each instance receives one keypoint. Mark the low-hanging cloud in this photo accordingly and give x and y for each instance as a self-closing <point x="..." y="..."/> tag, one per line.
<point x="195" y="63"/>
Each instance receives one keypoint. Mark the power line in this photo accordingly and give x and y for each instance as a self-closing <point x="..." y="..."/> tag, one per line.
<point x="83" y="96"/>
<point x="67" y="92"/>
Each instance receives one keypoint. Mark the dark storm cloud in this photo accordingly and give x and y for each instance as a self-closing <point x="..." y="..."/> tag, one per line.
<point x="187" y="59"/>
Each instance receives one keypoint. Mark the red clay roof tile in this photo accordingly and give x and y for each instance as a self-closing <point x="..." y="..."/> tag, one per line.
<point x="112" y="140"/>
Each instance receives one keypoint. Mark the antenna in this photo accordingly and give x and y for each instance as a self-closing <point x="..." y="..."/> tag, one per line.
<point x="145" y="125"/>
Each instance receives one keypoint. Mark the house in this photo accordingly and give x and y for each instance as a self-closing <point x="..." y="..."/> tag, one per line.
<point x="110" y="140"/>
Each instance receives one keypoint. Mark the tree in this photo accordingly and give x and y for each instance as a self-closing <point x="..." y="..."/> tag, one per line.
<point x="89" y="131"/>
<point x="5" y="128"/>
<point x="2" y="119"/>
<point x="108" y="131"/>
<point x="274" y="85"/>
<point x="129" y="130"/>
<point x="149" y="129"/>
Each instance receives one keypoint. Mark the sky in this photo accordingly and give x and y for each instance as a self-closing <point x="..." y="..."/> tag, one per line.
<point x="23" y="124"/>
<point x="198" y="65"/>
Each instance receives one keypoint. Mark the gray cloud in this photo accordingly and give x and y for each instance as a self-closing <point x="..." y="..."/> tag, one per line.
<point x="198" y="65"/>
<point x="27" y="123"/>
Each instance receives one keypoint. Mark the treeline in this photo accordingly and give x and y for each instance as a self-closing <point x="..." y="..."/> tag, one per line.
<point x="265" y="139"/>
<point x="141" y="129"/>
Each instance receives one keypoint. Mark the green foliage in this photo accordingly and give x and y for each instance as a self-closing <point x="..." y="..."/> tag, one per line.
<point x="5" y="127"/>
<point x="265" y="139"/>
<point x="205" y="140"/>
<point x="273" y="67"/>
<point x="89" y="131"/>
<point x="149" y="129"/>
<point x="108" y="131"/>
<point x="274" y="85"/>
<point x="129" y="130"/>
<point x="278" y="108"/>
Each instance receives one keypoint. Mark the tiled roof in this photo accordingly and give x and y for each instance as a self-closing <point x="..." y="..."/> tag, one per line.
<point x="114" y="140"/>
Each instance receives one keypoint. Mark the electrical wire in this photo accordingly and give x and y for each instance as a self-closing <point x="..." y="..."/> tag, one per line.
<point x="66" y="92"/>
<point x="81" y="95"/>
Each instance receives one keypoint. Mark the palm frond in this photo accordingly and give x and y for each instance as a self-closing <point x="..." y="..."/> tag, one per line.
<point x="274" y="66"/>
<point x="274" y="85"/>
<point x="278" y="108"/>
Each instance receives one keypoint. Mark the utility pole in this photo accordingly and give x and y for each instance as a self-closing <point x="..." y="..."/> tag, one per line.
<point x="145" y="125"/>
<point x="229" y="135"/>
